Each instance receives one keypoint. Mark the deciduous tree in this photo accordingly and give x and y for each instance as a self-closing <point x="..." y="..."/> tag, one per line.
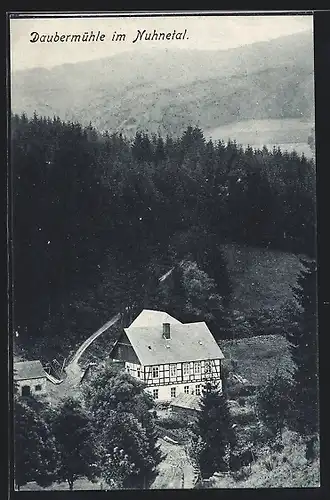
<point x="74" y="436"/>
<point x="35" y="453"/>
<point x="121" y="414"/>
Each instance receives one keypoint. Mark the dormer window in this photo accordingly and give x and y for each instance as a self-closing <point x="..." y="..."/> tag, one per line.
<point x="166" y="331"/>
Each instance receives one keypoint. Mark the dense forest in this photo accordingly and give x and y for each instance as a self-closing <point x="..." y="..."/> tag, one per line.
<point x="97" y="218"/>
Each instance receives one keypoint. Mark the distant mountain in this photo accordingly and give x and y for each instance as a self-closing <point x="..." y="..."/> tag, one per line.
<point x="166" y="90"/>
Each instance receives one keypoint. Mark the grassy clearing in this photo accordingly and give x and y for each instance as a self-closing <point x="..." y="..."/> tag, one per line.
<point x="262" y="278"/>
<point x="257" y="358"/>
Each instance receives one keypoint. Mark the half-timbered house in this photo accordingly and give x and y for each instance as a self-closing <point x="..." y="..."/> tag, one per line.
<point x="171" y="357"/>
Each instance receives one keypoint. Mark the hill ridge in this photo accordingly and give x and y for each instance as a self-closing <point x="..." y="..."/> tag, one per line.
<point x="263" y="80"/>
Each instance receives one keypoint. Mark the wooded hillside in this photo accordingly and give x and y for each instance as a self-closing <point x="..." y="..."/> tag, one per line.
<point x="98" y="218"/>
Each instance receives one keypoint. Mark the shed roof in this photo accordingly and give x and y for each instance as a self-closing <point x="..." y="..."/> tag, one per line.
<point x="188" y="401"/>
<point x="27" y="370"/>
<point x="187" y="342"/>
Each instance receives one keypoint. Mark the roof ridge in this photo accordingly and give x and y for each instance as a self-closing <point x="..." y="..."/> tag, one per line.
<point x="194" y="323"/>
<point x="28" y="361"/>
<point x="153" y="310"/>
<point x="176" y="325"/>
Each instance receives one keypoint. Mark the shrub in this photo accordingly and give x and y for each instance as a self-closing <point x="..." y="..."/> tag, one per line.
<point x="277" y="446"/>
<point x="244" y="418"/>
<point x="174" y="421"/>
<point x="179" y="435"/>
<point x="242" y="456"/>
<point x="241" y="474"/>
<point x="237" y="390"/>
<point x="162" y="405"/>
<point x="269" y="464"/>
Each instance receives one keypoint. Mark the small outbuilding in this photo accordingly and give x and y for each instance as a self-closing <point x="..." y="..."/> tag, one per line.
<point x="186" y="405"/>
<point x="30" y="378"/>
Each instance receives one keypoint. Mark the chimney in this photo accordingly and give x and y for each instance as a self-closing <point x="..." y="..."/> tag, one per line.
<point x="166" y="331"/>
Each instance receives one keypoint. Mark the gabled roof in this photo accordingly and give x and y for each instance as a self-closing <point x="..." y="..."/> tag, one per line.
<point x="188" y="342"/>
<point x="189" y="401"/>
<point x="26" y="370"/>
<point x="149" y="317"/>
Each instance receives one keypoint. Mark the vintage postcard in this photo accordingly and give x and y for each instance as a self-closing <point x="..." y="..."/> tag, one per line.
<point x="163" y="253"/>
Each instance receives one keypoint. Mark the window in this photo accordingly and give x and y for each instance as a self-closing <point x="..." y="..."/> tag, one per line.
<point x="173" y="392"/>
<point x="155" y="372"/>
<point x="38" y="387"/>
<point x="197" y="367"/>
<point x="198" y="390"/>
<point x="155" y="393"/>
<point x="172" y="370"/>
<point x="127" y="369"/>
<point x="186" y="389"/>
<point x="139" y="372"/>
<point x="185" y="368"/>
<point x="208" y="367"/>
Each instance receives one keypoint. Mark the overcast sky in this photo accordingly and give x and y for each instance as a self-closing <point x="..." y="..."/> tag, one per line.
<point x="204" y="32"/>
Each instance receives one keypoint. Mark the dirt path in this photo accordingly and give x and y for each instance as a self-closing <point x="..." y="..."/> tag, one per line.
<point x="91" y="339"/>
<point x="69" y="385"/>
<point x="73" y="371"/>
<point x="175" y="471"/>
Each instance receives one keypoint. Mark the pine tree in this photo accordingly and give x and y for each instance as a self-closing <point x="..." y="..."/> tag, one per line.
<point x="304" y="352"/>
<point x="152" y="437"/>
<point x="214" y="427"/>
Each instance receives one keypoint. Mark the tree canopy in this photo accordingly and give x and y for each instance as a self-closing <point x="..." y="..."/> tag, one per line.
<point x="35" y="452"/>
<point x="120" y="411"/>
<point x="74" y="436"/>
